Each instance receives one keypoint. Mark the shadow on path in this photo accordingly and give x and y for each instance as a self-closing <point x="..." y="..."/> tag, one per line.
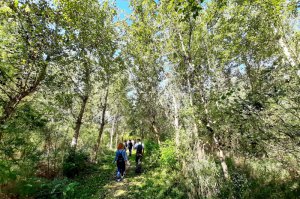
<point x="101" y="183"/>
<point x="122" y="189"/>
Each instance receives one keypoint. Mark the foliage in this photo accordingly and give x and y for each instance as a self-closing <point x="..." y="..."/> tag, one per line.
<point x="211" y="86"/>
<point x="75" y="163"/>
<point x="152" y="153"/>
<point x="168" y="155"/>
<point x="262" y="180"/>
<point x="7" y="174"/>
<point x="40" y="188"/>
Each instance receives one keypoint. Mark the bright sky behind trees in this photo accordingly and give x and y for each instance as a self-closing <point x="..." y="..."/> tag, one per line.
<point x="211" y="87"/>
<point x="123" y="5"/>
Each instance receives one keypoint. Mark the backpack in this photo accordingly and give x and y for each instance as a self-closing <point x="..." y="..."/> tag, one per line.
<point x="120" y="158"/>
<point x="139" y="149"/>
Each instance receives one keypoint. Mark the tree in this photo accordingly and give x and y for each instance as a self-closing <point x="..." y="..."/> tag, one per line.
<point x="92" y="47"/>
<point x="31" y="42"/>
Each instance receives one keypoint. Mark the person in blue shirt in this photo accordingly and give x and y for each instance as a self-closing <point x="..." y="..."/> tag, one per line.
<point x="121" y="160"/>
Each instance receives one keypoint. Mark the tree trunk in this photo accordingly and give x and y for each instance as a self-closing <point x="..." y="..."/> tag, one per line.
<point x="176" y="121"/>
<point x="221" y="158"/>
<point x="189" y="72"/>
<point x="220" y="153"/>
<point x="117" y="137"/>
<point x="285" y="49"/>
<point x="102" y="124"/>
<point x="112" y="132"/>
<point x="79" y="122"/>
<point x="156" y="132"/>
<point x="12" y="104"/>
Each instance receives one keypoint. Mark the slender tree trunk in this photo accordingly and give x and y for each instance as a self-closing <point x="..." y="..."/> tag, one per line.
<point x="221" y="158"/>
<point x="86" y="81"/>
<point x="176" y="120"/>
<point x="156" y="132"/>
<point x="117" y="137"/>
<point x="13" y="102"/>
<point x="48" y="144"/>
<point x="286" y="52"/>
<point x="285" y="49"/>
<point x="190" y="68"/>
<point x="220" y="152"/>
<point x="79" y="122"/>
<point x="112" y="132"/>
<point x="102" y="124"/>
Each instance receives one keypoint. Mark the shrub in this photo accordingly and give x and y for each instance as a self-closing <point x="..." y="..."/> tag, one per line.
<point x="258" y="179"/>
<point x="75" y="163"/>
<point x="42" y="188"/>
<point x="152" y="151"/>
<point x="6" y="173"/>
<point x="168" y="156"/>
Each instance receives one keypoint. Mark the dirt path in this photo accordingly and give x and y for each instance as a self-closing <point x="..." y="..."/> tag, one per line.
<point x="101" y="183"/>
<point x="123" y="188"/>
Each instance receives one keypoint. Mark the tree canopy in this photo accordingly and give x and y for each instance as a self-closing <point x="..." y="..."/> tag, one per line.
<point x="211" y="86"/>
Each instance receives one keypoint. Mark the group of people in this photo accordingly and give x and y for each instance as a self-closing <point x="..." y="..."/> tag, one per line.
<point x="121" y="156"/>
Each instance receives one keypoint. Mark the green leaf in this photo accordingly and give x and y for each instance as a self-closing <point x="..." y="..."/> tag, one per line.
<point x="16" y="3"/>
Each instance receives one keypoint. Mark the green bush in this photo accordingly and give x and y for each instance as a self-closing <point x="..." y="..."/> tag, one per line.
<point x="168" y="154"/>
<point x="75" y="163"/>
<point x="6" y="173"/>
<point x="259" y="179"/>
<point x="151" y="147"/>
<point x="42" y="188"/>
<point x="152" y="151"/>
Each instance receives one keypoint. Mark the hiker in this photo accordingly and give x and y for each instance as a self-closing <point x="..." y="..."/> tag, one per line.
<point x="139" y="146"/>
<point x="121" y="159"/>
<point x="130" y="145"/>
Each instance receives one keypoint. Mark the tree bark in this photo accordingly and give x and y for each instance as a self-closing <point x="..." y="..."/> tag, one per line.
<point x="189" y="72"/>
<point x="79" y="122"/>
<point x="112" y="132"/>
<point x="220" y="152"/>
<point x="102" y="124"/>
<point x="156" y="132"/>
<point x="221" y="158"/>
<point x="176" y="121"/>
<point x="12" y="104"/>
<point x="285" y="49"/>
<point x="117" y="137"/>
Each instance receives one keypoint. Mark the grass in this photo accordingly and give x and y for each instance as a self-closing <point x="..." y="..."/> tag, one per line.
<point x="101" y="183"/>
<point x="160" y="182"/>
<point x="153" y="182"/>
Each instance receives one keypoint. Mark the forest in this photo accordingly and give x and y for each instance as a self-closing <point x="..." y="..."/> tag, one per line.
<point x="211" y="87"/>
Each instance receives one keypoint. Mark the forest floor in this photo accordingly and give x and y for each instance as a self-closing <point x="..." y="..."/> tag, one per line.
<point x="159" y="182"/>
<point x="101" y="183"/>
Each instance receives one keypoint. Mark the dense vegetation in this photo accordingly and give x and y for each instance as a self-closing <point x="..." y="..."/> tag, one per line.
<point x="212" y="87"/>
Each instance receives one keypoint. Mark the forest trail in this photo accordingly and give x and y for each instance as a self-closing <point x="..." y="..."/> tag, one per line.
<point x="103" y="185"/>
<point x="123" y="188"/>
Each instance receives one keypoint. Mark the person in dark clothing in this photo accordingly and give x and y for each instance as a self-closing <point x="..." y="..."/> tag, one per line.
<point x="139" y="146"/>
<point x="130" y="145"/>
<point x="121" y="159"/>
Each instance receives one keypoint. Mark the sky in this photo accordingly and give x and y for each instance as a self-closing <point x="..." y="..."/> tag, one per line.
<point x="124" y="6"/>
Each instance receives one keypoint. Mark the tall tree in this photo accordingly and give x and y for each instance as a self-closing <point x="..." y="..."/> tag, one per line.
<point x="31" y="41"/>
